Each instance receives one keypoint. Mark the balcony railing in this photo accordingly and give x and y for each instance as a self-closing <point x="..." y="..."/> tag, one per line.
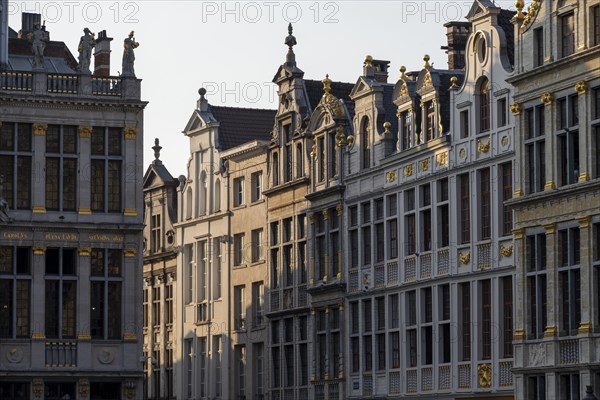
<point x="379" y="276"/>
<point x="17" y="81"/>
<point x="464" y="376"/>
<point x="443" y="261"/>
<point x="395" y="382"/>
<point x="425" y="266"/>
<point x="60" y="83"/>
<point x="484" y="256"/>
<point x="275" y="302"/>
<point x="411" y="381"/>
<point x="392" y="273"/>
<point x="444" y="377"/>
<point x="569" y="351"/>
<point x="106" y="86"/>
<point x="505" y="375"/>
<point x="353" y="281"/>
<point x="427" y="379"/>
<point x="410" y="269"/>
<point x="61" y="354"/>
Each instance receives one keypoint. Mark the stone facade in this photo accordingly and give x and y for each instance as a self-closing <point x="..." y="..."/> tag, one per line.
<point x="71" y="232"/>
<point x="557" y="220"/>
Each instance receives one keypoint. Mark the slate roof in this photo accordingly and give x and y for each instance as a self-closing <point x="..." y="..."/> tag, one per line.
<point x="57" y="56"/>
<point x="341" y="90"/>
<point x="242" y="125"/>
<point x="509" y="30"/>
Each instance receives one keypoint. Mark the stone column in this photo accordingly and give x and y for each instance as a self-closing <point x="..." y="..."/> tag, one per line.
<point x="551" y="282"/>
<point x="520" y="298"/>
<point x="38" y="188"/>
<point x="587" y="279"/>
<point x="83" y="310"/>
<point x="518" y="172"/>
<point x="585" y="145"/>
<point x="85" y="170"/>
<point x="129" y="161"/>
<point x="38" y="359"/>
<point x="547" y="100"/>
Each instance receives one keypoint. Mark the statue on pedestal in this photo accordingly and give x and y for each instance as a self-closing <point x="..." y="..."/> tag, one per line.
<point x="86" y="44"/>
<point x="38" y="39"/>
<point x="129" y="44"/>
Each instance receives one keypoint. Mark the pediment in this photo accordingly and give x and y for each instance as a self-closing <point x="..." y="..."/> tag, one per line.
<point x="478" y="8"/>
<point x="198" y="120"/>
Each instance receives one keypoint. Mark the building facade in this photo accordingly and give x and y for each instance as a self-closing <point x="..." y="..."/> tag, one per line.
<point x="557" y="214"/>
<point x="71" y="209"/>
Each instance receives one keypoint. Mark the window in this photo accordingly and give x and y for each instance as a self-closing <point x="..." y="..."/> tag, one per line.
<point x="155" y="233"/>
<point x="429" y="118"/>
<point x="465" y="208"/>
<point x="366" y="238"/>
<point x="567" y="34"/>
<point x="568" y="140"/>
<point x="15" y="164"/>
<point x="410" y="246"/>
<point x="535" y="259"/>
<point x="506" y="194"/>
<point x="259" y="370"/>
<point x="507" y="316"/>
<point x="365" y="134"/>
<point x="257" y="245"/>
<point x="15" y="292"/>
<point x="595" y="25"/>
<point x="203" y="360"/>
<point x="425" y="217"/>
<point x="464" y="124"/>
<point x="569" y="281"/>
<point x="443" y="213"/>
<point x="535" y="149"/>
<point x="411" y="328"/>
<point x="426" y="327"/>
<point x="156" y="306"/>
<point x="321" y="159"/>
<point x="568" y="386"/>
<point x="14" y="390"/>
<point x="275" y="169"/>
<point x="444" y="326"/>
<point x="238" y="192"/>
<point x="502" y="113"/>
<point x="239" y="302"/>
<point x="486" y="319"/>
<point x="256" y="179"/>
<point x="217" y="356"/>
<point x="188" y="255"/>
<point x="238" y="249"/>
<point x="258" y="299"/>
<point x="106" y="293"/>
<point x="392" y="226"/>
<point x="406" y="130"/>
<point x="61" y="167"/>
<point x="483" y="98"/>
<point x="59" y="390"/>
<point x="169" y="308"/>
<point x="189" y="355"/>
<point x="202" y="281"/>
<point x="299" y="161"/>
<point x="106" y="169"/>
<point x="538" y="47"/>
<point x="61" y="293"/>
<point x="288" y="162"/>
<point x="465" y="323"/>
<point x="217" y="195"/>
<point x="332" y="167"/>
<point x="536" y="387"/>
<point x="485" y="204"/>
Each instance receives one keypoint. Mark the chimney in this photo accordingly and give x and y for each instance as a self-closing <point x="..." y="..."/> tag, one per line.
<point x="102" y="55"/>
<point x="381" y="70"/>
<point x="3" y="35"/>
<point x="457" y="33"/>
<point x="28" y="23"/>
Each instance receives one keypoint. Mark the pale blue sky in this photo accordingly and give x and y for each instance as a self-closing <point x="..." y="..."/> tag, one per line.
<point x="234" y="48"/>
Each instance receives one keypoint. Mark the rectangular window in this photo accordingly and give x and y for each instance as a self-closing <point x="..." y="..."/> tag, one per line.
<point x="430" y="121"/>
<point x="485" y="204"/>
<point x="321" y="159"/>
<point x="567" y="27"/>
<point x="299" y="161"/>
<point x="465" y="314"/>
<point x="411" y="240"/>
<point x="568" y="141"/>
<point x="536" y="387"/>
<point x="366" y="237"/>
<point x="538" y="47"/>
<point x="355" y="344"/>
<point x="465" y="208"/>
<point x="535" y="260"/>
<point x="406" y="130"/>
<point x="106" y="293"/>
<point x="15" y="292"/>
<point x="256" y="181"/>
<point x="507" y="317"/>
<point x="367" y="321"/>
<point x="394" y="338"/>
<point x="288" y="162"/>
<point x="394" y="312"/>
<point x="569" y="281"/>
<point x="61" y="167"/>
<point x="464" y="124"/>
<point x="502" y="112"/>
<point x="259" y="370"/>
<point x="257" y="245"/>
<point x="238" y="191"/>
<point x="155" y="233"/>
<point x="240" y="370"/>
<point x="568" y="387"/>
<point x="238" y="249"/>
<point x="239" y="302"/>
<point x="392" y="238"/>
<point x="106" y="169"/>
<point x="61" y="293"/>
<point x="258" y="299"/>
<point x="486" y="319"/>
<point x="368" y="352"/>
<point x="15" y="164"/>
<point x="379" y="243"/>
<point x="595" y="25"/>
<point x="506" y="192"/>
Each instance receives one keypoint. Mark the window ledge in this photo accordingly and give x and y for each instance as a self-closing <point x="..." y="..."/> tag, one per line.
<point x="256" y="263"/>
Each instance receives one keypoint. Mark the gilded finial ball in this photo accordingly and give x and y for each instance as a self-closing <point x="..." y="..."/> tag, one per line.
<point x="403" y="69"/>
<point x="368" y="60"/>
<point x="426" y="58"/>
<point x="202" y="91"/>
<point x="519" y="4"/>
<point x="387" y="126"/>
<point x="453" y="80"/>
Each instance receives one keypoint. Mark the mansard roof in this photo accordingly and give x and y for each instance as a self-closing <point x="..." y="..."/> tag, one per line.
<point x="57" y="56"/>
<point x="341" y="90"/>
<point x="241" y="125"/>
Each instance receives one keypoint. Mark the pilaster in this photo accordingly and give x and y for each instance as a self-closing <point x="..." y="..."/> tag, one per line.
<point x="551" y="282"/>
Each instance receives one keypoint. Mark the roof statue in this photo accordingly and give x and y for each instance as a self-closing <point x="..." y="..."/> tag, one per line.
<point x="86" y="44"/>
<point x="157" y="147"/>
<point x="129" y="44"/>
<point x="38" y="38"/>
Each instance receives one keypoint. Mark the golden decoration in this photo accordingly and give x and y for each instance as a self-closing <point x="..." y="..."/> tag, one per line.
<point x="483" y="148"/>
<point x="339" y="209"/>
<point x="505" y="141"/>
<point x="350" y="139"/>
<point x="464" y="258"/>
<point x="485" y="375"/>
<point x="131" y="252"/>
<point x="402" y="73"/>
<point x="368" y="61"/>
<point x="408" y="170"/>
<point x="130" y="133"/>
<point x="84" y="387"/>
<point x="584" y="222"/>
<point x="518" y="192"/>
<point x="311" y="218"/>
<point x="424" y="164"/>
<point x="326" y="214"/>
<point x="38" y="335"/>
<point x="427" y="80"/>
<point x="519" y="233"/>
<point x="38" y="388"/>
<point x="581" y="87"/>
<point x="386" y="127"/>
<point x="519" y="4"/>
<point x="550" y="229"/>
<point x="585" y="328"/>
<point x="462" y="153"/>
<point x="38" y="210"/>
<point x="551" y="331"/>
<point x="532" y="12"/>
<point x="84" y="336"/>
<point x="85" y="251"/>
<point x="426" y="58"/>
<point x="516" y="109"/>
<point x="506" y="251"/>
<point x="390" y="176"/>
<point x="40" y="129"/>
<point x="129" y="336"/>
<point x="84" y="211"/>
<point x="403" y="92"/>
<point x="339" y="136"/>
<point x="39" y="250"/>
<point x="85" y="132"/>
<point x="313" y="152"/>
<point x="547" y="99"/>
<point x="453" y="81"/>
<point x="549" y="185"/>
<point x="130" y="212"/>
<point x="583" y="177"/>
<point x="519" y="334"/>
<point x="442" y="158"/>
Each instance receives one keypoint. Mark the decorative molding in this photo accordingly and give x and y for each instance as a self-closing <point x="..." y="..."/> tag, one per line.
<point x="85" y="251"/>
<point x="40" y="129"/>
<point x="325" y="214"/>
<point x="584" y="328"/>
<point x="424" y="164"/>
<point x="519" y="334"/>
<point x="339" y="209"/>
<point x="38" y="335"/>
<point x="584" y="222"/>
<point x="505" y="140"/>
<point x="549" y="185"/>
<point x="38" y="388"/>
<point x="39" y="250"/>
<point x="408" y="170"/>
<point x="130" y="252"/>
<point x="519" y="233"/>
<point x="84" y="211"/>
<point x="551" y="331"/>
<point x="532" y="12"/>
<point x="518" y="192"/>
<point x="130" y="212"/>
<point x="38" y="210"/>
<point x="506" y="251"/>
<point x="484" y="371"/>
<point x="548" y="59"/>
<point x="390" y="176"/>
<point x="550" y="229"/>
<point x="84" y="387"/>
<point x="547" y="99"/>
<point x="581" y="87"/>
<point x="442" y="158"/>
<point x="129" y="336"/>
<point x="516" y="109"/>
<point x="130" y="133"/>
<point x="462" y="153"/>
<point x="483" y="148"/>
<point x="84" y="336"/>
<point x="85" y="132"/>
<point x="464" y="258"/>
<point x="583" y="177"/>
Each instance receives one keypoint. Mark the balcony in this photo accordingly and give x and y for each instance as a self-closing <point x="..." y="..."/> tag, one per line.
<point x="40" y="83"/>
<point x="61" y="354"/>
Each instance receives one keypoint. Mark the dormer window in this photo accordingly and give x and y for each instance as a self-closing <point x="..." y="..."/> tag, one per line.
<point x="321" y="159"/>
<point x="405" y="130"/>
<point x="484" y="105"/>
<point x="288" y="162"/>
<point x="430" y="120"/>
<point x="333" y="164"/>
<point x="365" y="135"/>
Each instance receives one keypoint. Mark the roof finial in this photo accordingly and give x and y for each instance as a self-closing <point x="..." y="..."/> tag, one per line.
<point x="157" y="147"/>
<point x="402" y="73"/>
<point x="426" y="59"/>
<point x="520" y="4"/>
<point x="326" y="85"/>
<point x="290" y="41"/>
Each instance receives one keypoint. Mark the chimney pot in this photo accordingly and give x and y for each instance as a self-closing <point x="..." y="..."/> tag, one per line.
<point x="102" y="54"/>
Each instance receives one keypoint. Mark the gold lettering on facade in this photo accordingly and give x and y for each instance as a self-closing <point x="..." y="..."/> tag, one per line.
<point x="61" y="236"/>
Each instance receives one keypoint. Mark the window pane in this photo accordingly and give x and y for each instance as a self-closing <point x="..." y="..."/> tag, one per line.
<point x="114" y="262"/>
<point x="69" y="299"/>
<point x="24" y="137"/>
<point x="97" y="310"/>
<point x="7" y="171"/>
<point x="98" y="141"/>
<point x="6" y="308"/>
<point x="6" y="260"/>
<point x="53" y="139"/>
<point x="52" y="187"/>
<point x="114" y="141"/>
<point x="51" y="301"/>
<point x="22" y="311"/>
<point x="7" y="136"/>
<point x="69" y="184"/>
<point x="114" y="310"/>
<point x="69" y="139"/>
<point x="114" y="186"/>
<point x="97" y="187"/>
<point x="23" y="182"/>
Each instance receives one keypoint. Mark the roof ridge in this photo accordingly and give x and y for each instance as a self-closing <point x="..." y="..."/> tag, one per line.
<point x="244" y="108"/>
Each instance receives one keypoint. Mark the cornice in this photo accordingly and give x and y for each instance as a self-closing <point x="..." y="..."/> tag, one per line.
<point x="71" y="104"/>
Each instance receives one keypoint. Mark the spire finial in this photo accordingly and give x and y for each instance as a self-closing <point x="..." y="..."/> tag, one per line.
<point x="402" y="73"/>
<point x="157" y="147"/>
<point x="290" y="41"/>
<point x="368" y="61"/>
<point x="426" y="59"/>
<point x="326" y="85"/>
<point x="519" y="4"/>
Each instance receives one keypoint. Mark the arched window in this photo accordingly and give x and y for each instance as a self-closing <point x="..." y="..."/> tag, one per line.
<point x="484" y="105"/>
<point x="189" y="203"/>
<point x="365" y="143"/>
<point x="203" y="193"/>
<point x="218" y="195"/>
